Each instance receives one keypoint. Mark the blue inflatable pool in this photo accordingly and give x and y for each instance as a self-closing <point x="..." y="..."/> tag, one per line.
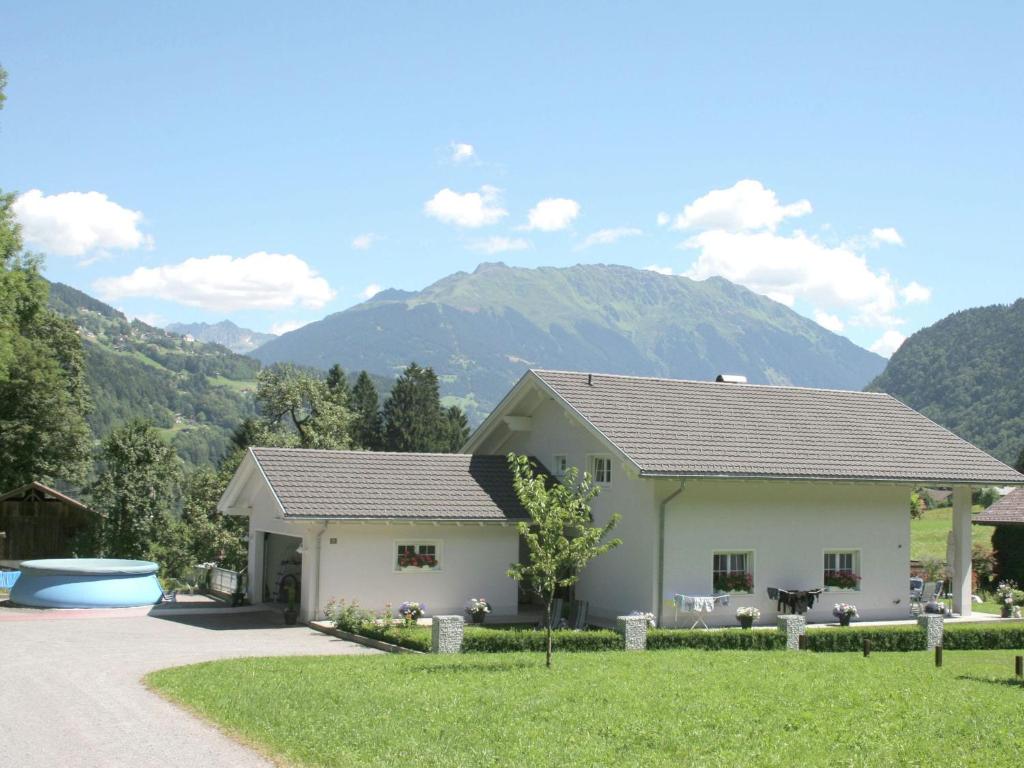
<point x="86" y="583"/>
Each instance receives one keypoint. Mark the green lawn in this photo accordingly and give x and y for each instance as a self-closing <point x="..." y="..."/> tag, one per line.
<point x="928" y="534"/>
<point x="660" y="708"/>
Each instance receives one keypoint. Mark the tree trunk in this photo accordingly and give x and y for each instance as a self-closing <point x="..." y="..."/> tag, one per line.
<point x="547" y="626"/>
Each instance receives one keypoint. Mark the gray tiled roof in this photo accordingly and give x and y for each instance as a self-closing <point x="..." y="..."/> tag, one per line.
<point x="1009" y="510"/>
<point x="694" y="428"/>
<point x="390" y="486"/>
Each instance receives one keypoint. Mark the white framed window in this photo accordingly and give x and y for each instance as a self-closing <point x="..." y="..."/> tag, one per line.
<point x="841" y="570"/>
<point x="601" y="469"/>
<point x="733" y="572"/>
<point x="560" y="465"/>
<point x="417" y="556"/>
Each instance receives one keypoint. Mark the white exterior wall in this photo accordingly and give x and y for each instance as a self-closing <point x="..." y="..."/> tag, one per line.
<point x="624" y="579"/>
<point x="474" y="562"/>
<point x="789" y="526"/>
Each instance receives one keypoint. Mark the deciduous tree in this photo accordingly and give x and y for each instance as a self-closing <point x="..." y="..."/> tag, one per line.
<point x="296" y="402"/>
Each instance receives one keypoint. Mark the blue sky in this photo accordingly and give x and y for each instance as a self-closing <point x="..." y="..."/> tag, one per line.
<point x="867" y="160"/>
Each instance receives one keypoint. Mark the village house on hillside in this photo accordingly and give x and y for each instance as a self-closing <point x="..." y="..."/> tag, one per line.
<point x="722" y="487"/>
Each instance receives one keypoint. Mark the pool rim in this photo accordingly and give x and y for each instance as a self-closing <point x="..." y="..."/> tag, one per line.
<point x="89" y="566"/>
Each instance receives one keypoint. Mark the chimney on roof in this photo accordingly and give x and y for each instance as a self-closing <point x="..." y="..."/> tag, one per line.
<point x="590" y="379"/>
<point x="731" y="378"/>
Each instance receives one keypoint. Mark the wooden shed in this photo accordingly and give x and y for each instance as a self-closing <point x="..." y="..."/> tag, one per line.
<point x="37" y="521"/>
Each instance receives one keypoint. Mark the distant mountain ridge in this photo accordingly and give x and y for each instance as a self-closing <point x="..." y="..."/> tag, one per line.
<point x="225" y="333"/>
<point x="966" y="372"/>
<point x="481" y="330"/>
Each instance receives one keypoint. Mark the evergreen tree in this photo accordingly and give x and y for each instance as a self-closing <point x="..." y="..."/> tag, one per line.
<point x="299" y="407"/>
<point x="456" y="429"/>
<point x="136" y="489"/>
<point x="413" y="420"/>
<point x="367" y="422"/>
<point x="1019" y="466"/>
<point x="337" y="385"/>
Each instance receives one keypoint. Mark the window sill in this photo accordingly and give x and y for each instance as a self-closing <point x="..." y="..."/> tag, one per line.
<point x="417" y="569"/>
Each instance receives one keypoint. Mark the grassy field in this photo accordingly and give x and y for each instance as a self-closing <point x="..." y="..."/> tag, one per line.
<point x="928" y="534"/>
<point x="660" y="708"/>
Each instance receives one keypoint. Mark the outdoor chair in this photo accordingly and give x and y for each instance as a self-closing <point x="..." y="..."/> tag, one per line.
<point x="916" y="591"/>
<point x="556" y="615"/>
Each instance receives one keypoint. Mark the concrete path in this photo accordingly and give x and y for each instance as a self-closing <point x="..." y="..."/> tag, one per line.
<point x="72" y="695"/>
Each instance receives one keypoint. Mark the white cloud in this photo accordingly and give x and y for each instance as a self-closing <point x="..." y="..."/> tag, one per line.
<point x="364" y="241"/>
<point x="461" y="152"/>
<point x="553" y="214"/>
<point x="886" y="235"/>
<point x="786" y="268"/>
<point x="283" y="327"/>
<point x="745" y="206"/>
<point x="888" y="343"/>
<point x="257" y="281"/>
<point x="78" y="223"/>
<point x="828" y="322"/>
<point x="663" y="219"/>
<point x="371" y="290"/>
<point x="472" y="209"/>
<point x="500" y="245"/>
<point x="659" y="270"/>
<point x="608" y="236"/>
<point x="915" y="293"/>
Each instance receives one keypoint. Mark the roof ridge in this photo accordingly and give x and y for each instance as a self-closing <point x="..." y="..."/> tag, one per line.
<point x="630" y="377"/>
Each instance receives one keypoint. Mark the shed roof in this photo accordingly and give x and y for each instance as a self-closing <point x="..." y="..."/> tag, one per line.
<point x="677" y="428"/>
<point x="364" y="485"/>
<point x="36" y="490"/>
<point x="1009" y="510"/>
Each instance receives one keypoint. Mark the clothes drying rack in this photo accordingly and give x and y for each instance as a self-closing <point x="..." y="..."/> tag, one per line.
<point x="696" y="605"/>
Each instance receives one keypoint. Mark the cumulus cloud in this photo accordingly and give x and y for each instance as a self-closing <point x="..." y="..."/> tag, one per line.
<point x="608" y="236"/>
<point x="499" y="245"/>
<point x="660" y="270"/>
<point x="78" y="224"/>
<point x="553" y="214"/>
<point x="461" y="152"/>
<point x="371" y="290"/>
<point x="283" y="327"/>
<point x="746" y="205"/>
<point x="471" y="209"/>
<point x="886" y="236"/>
<point x="663" y="219"/>
<point x="226" y="283"/>
<point x="915" y="293"/>
<point x="888" y="343"/>
<point x="364" y="241"/>
<point x="828" y="322"/>
<point x="789" y="267"/>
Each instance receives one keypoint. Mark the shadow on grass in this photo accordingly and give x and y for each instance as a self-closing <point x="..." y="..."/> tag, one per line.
<point x="1008" y="682"/>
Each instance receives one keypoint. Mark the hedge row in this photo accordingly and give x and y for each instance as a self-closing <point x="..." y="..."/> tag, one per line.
<point x="723" y="640"/>
<point x="484" y="640"/>
<point x="979" y="637"/>
<point x="841" y="639"/>
<point x="416" y="638"/>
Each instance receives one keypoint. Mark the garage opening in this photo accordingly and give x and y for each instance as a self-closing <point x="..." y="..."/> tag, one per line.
<point x="282" y="567"/>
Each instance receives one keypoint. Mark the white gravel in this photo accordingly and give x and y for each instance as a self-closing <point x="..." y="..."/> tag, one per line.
<point x="72" y="694"/>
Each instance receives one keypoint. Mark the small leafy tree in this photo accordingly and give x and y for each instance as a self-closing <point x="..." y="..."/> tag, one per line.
<point x="292" y="399"/>
<point x="560" y="536"/>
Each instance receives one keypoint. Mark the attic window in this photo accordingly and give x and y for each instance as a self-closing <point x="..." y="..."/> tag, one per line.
<point x="560" y="465"/>
<point x="601" y="469"/>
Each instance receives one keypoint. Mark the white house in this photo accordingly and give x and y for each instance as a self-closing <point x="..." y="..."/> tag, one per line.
<point x="717" y="484"/>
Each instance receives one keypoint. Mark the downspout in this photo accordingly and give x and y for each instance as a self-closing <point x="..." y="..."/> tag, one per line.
<point x="316" y="580"/>
<point x="661" y="547"/>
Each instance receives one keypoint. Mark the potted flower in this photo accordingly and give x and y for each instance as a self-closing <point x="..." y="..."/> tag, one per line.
<point x="649" y="617"/>
<point x="411" y="611"/>
<point x="478" y="608"/>
<point x="844" y="612"/>
<point x="291" y="613"/>
<point x="1006" y="596"/>
<point x="747" y="615"/>
<point x="733" y="582"/>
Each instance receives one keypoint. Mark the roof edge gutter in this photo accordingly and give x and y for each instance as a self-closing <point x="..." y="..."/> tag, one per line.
<point x="833" y="478"/>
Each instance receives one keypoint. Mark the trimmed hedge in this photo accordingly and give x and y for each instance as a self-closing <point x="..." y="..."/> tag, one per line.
<point x="722" y="640"/>
<point x="484" y="640"/>
<point x="981" y="637"/>
<point x="416" y="638"/>
<point x="846" y="639"/>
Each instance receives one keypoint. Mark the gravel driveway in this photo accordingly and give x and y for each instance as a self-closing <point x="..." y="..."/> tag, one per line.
<point x="72" y="691"/>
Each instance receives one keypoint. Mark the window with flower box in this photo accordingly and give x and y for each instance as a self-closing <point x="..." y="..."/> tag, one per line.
<point x="417" y="556"/>
<point x="842" y="570"/>
<point x="733" y="572"/>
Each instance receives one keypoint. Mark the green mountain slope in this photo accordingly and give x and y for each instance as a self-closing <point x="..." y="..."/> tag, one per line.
<point x="966" y="372"/>
<point x="197" y="393"/>
<point x="480" y="331"/>
<point x="225" y="333"/>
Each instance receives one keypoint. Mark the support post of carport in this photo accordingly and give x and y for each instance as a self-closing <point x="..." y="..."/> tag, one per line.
<point x="960" y="576"/>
